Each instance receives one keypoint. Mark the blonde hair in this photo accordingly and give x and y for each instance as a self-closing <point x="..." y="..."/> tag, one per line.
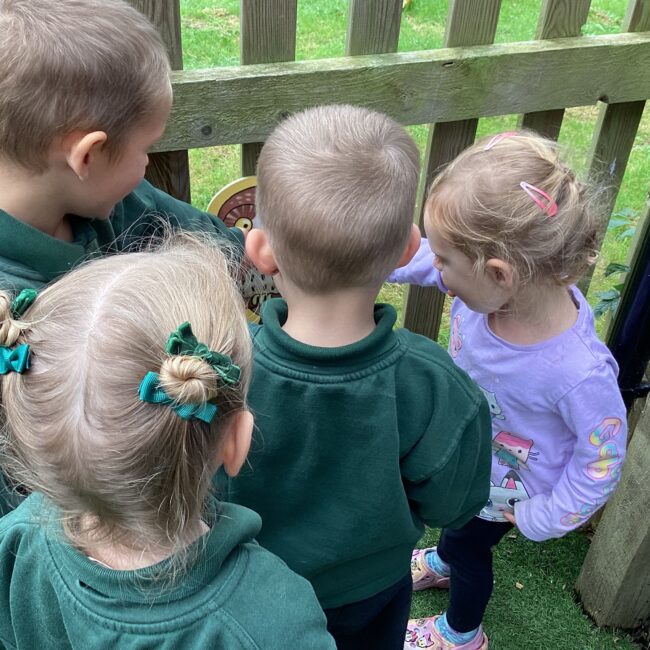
<point x="479" y="207"/>
<point x="336" y="193"/>
<point x="76" y="429"/>
<point x="75" y="64"/>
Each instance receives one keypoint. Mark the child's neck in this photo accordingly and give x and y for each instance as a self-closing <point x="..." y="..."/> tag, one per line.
<point x="124" y="558"/>
<point x="35" y="199"/>
<point x="538" y="315"/>
<point x="332" y="320"/>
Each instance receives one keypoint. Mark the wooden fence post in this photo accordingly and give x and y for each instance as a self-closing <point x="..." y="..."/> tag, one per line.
<point x="373" y="27"/>
<point x="615" y="132"/>
<point x="170" y="171"/>
<point x="557" y="19"/>
<point x="268" y="35"/>
<point x="469" y="22"/>
<point x="614" y="584"/>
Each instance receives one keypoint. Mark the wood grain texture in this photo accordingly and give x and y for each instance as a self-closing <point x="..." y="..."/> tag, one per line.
<point x="614" y="583"/>
<point x="268" y="35"/>
<point x="243" y="103"/>
<point x="373" y="26"/>
<point x="615" y="131"/>
<point x="169" y="171"/>
<point x="469" y="22"/>
<point x="558" y="19"/>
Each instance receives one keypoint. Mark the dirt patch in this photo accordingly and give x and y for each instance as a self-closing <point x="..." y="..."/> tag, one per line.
<point x="604" y="17"/>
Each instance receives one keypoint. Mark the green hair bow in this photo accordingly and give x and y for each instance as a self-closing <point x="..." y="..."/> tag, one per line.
<point x="14" y="359"/>
<point x="22" y="302"/>
<point x="183" y="342"/>
<point x="152" y="392"/>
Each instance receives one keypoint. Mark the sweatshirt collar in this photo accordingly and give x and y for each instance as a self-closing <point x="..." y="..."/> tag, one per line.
<point x="49" y="256"/>
<point x="377" y="344"/>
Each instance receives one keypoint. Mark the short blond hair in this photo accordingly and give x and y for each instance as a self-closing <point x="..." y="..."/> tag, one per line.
<point x="75" y="64"/>
<point x="336" y="194"/>
<point x="76" y="429"/>
<point x="478" y="205"/>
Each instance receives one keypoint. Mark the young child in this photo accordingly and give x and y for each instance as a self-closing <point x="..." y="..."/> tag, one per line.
<point x="84" y="95"/>
<point x="124" y="388"/>
<point x="512" y="229"/>
<point x="365" y="432"/>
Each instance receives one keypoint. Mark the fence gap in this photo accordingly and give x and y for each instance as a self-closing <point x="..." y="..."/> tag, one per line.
<point x="469" y="22"/>
<point x="170" y="171"/>
<point x="268" y="35"/>
<point x="557" y="19"/>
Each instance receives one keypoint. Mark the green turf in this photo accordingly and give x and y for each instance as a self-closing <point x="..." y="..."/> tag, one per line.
<point x="543" y="613"/>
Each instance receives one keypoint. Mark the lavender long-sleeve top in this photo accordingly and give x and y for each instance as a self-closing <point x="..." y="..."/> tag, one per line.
<point x="558" y="421"/>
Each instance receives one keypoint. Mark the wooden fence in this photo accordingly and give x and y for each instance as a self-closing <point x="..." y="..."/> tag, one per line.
<point x="448" y="89"/>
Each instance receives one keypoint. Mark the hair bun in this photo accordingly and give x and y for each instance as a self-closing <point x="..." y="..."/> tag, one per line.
<point x="188" y="380"/>
<point x="10" y="329"/>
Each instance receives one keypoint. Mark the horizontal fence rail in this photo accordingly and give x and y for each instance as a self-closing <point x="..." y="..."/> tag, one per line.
<point x="241" y="104"/>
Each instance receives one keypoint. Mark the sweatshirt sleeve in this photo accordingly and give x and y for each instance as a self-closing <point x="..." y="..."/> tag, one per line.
<point x="419" y="270"/>
<point x="142" y="213"/>
<point x="448" y="484"/>
<point x="595" y="412"/>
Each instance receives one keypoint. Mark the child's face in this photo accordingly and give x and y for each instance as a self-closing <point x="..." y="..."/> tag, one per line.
<point x="112" y="179"/>
<point x="476" y="289"/>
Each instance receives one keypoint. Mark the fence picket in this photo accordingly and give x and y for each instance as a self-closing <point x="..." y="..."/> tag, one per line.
<point x="268" y="35"/>
<point x="558" y="19"/>
<point x="169" y="171"/>
<point x="615" y="131"/>
<point x="470" y="22"/>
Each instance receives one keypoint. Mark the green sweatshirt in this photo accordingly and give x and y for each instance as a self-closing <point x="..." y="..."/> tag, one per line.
<point x="31" y="258"/>
<point x="356" y="448"/>
<point x="234" y="595"/>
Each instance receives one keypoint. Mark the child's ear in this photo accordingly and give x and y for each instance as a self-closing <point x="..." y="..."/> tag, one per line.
<point x="80" y="148"/>
<point x="260" y="253"/>
<point x="411" y="247"/>
<point x="236" y="442"/>
<point x="501" y="272"/>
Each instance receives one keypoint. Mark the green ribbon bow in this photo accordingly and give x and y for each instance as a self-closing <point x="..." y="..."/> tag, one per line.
<point x="182" y="341"/>
<point x="14" y="359"/>
<point x="22" y="302"/>
<point x="152" y="392"/>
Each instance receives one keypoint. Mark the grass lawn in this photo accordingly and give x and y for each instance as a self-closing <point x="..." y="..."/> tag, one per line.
<point x="533" y="605"/>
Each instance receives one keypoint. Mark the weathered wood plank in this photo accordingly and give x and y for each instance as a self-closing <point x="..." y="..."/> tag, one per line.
<point x="557" y="19"/>
<point x="469" y="22"/>
<point x="243" y="103"/>
<point x="268" y="35"/>
<point x="170" y="171"/>
<point x="615" y="131"/>
<point x="373" y="27"/>
<point x="614" y="584"/>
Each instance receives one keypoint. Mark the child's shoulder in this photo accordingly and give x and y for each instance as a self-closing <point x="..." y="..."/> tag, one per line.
<point x="276" y="607"/>
<point x="426" y="360"/>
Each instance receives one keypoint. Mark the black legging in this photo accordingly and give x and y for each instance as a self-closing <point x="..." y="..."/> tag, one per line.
<point x="378" y="622"/>
<point x="468" y="551"/>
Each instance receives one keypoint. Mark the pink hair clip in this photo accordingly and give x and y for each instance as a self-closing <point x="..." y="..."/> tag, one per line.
<point x="498" y="138"/>
<point x="549" y="208"/>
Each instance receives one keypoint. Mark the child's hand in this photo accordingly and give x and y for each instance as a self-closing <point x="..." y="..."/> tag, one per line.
<point x="510" y="518"/>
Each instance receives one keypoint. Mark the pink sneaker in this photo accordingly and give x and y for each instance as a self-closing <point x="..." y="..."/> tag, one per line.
<point x="422" y="633"/>
<point x="423" y="575"/>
